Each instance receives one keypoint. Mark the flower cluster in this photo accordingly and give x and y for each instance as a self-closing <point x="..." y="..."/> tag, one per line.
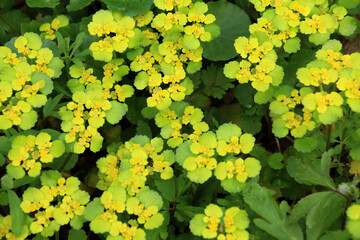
<point x="50" y="29"/>
<point x="286" y="114"/>
<point x="104" y="213"/>
<point x="199" y="158"/>
<point x="58" y="202"/>
<point x="116" y="30"/>
<point x="220" y="224"/>
<point x="94" y="101"/>
<point x="29" y="152"/>
<point x="174" y="119"/>
<point x="258" y="65"/>
<point x="282" y="21"/>
<point x="5" y="229"/>
<point x="234" y="171"/>
<point x="26" y="72"/>
<point x="133" y="162"/>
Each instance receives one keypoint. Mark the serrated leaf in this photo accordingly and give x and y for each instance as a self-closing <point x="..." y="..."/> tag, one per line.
<point x="306" y="144"/>
<point x="233" y="22"/>
<point x="275" y="161"/>
<point x="17" y="215"/>
<point x="75" y="5"/>
<point x="5" y="145"/>
<point x="326" y="161"/>
<point x="336" y="235"/>
<point x="143" y="128"/>
<point x="323" y="214"/>
<point x="130" y="7"/>
<point x="7" y="182"/>
<point x="51" y="105"/>
<point x="303" y="206"/>
<point x="77" y="235"/>
<point x="42" y="3"/>
<point x="355" y="153"/>
<point x="306" y="172"/>
<point x="275" y="220"/>
<point x="166" y="188"/>
<point x="215" y="81"/>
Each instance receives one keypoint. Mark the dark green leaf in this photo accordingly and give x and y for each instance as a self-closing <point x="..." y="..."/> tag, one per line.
<point x="143" y="129"/>
<point x="275" y="161"/>
<point x="244" y="93"/>
<point x="78" y="41"/>
<point x="308" y="173"/>
<point x="326" y="161"/>
<point x="75" y="5"/>
<point x="77" y="235"/>
<point x="336" y="235"/>
<point x="305" y="204"/>
<point x="233" y="22"/>
<point x="306" y="144"/>
<point x="2" y="159"/>
<point x="23" y="181"/>
<point x="16" y="213"/>
<point x="130" y="7"/>
<point x="58" y="162"/>
<point x="323" y="214"/>
<point x="215" y="81"/>
<point x="51" y="105"/>
<point x="5" y="145"/>
<point x="42" y="3"/>
<point x="7" y="182"/>
<point x="166" y="188"/>
<point x="4" y="199"/>
<point x="276" y="223"/>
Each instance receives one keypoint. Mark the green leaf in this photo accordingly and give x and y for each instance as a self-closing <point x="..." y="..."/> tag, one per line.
<point x="5" y="145"/>
<point x="116" y="112"/>
<point x="355" y="153"/>
<point x="304" y="170"/>
<point x="77" y="235"/>
<point x="326" y="161"/>
<point x="143" y="128"/>
<point x="4" y="199"/>
<point x="306" y="144"/>
<point x="78" y="41"/>
<point x="2" y="159"/>
<point x="58" y="162"/>
<point x="275" y="161"/>
<point x="23" y="181"/>
<point x="336" y="235"/>
<point x="51" y="105"/>
<point x="303" y="206"/>
<point x="75" y="5"/>
<point x="42" y="3"/>
<point x="260" y="201"/>
<point x="17" y="215"/>
<point x="130" y="7"/>
<point x="323" y="214"/>
<point x="233" y="22"/>
<point x="347" y="26"/>
<point x="7" y="182"/>
<point x="166" y="188"/>
<point x="244" y="93"/>
<point x="216" y="84"/>
<point x="276" y="223"/>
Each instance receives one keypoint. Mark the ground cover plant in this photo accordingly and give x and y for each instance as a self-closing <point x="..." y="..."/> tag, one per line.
<point x="180" y="119"/>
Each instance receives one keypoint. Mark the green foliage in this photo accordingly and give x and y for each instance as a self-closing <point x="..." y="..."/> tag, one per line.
<point x="233" y="22"/>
